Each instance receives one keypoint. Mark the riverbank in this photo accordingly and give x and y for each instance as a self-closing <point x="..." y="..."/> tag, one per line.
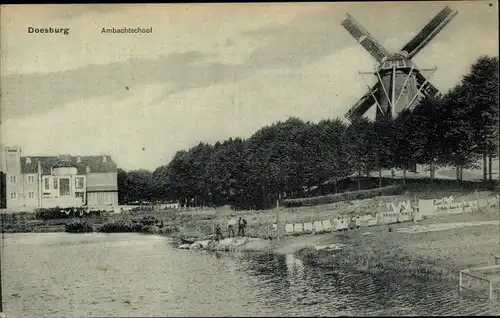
<point x="200" y="223"/>
<point x="434" y="249"/>
<point x="449" y="244"/>
<point x="428" y="255"/>
<point x="433" y="254"/>
<point x="372" y="243"/>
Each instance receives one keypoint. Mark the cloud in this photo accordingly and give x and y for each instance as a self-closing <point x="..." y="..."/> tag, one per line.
<point x="124" y="126"/>
<point x="29" y="94"/>
<point x="303" y="41"/>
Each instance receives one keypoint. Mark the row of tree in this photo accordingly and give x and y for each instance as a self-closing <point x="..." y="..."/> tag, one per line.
<point x="288" y="157"/>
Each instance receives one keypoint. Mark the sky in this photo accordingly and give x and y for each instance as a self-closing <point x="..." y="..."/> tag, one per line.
<point x="207" y="72"/>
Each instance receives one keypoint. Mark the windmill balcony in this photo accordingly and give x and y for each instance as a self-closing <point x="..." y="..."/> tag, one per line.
<point x="398" y="60"/>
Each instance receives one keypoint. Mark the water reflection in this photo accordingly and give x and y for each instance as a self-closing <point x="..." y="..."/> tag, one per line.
<point x="294" y="266"/>
<point x="342" y="291"/>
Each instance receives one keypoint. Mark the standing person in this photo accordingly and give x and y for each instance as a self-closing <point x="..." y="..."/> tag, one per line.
<point x="239" y="226"/>
<point x="242" y="223"/>
<point x="230" y="226"/>
<point x="353" y="222"/>
<point x="218" y="233"/>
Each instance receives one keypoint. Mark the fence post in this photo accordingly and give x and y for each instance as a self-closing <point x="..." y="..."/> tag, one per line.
<point x="460" y="283"/>
<point x="491" y="290"/>
<point x="278" y="220"/>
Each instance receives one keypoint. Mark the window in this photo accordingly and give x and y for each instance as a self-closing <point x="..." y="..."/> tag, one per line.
<point x="81" y="195"/>
<point x="79" y="182"/>
<point x="46" y="183"/>
<point x="31" y="195"/>
<point x="12" y="195"/>
<point x="55" y="183"/>
<point x="12" y="179"/>
<point x="31" y="179"/>
<point x="64" y="183"/>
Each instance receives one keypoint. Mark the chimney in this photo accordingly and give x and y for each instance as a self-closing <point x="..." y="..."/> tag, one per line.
<point x="28" y="160"/>
<point x="103" y="159"/>
<point x="78" y="159"/>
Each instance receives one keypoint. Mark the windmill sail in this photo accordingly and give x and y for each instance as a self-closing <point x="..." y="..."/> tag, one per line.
<point x="377" y="50"/>
<point x="429" y="89"/>
<point x="362" y="106"/>
<point x="429" y="31"/>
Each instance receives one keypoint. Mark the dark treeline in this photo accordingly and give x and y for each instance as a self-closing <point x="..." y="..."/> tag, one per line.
<point x="286" y="158"/>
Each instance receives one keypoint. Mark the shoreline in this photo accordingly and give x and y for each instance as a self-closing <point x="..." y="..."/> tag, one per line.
<point x="434" y="253"/>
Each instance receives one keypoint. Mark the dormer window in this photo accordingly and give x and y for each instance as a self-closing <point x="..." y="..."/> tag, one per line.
<point x="78" y="159"/>
<point x="104" y="159"/>
<point x="28" y="160"/>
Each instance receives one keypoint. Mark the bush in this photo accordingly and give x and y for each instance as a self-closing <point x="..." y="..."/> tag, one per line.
<point x="346" y="196"/>
<point x="120" y="226"/>
<point x="79" y="226"/>
<point x="148" y="220"/>
<point x="144" y="224"/>
<point x="58" y="213"/>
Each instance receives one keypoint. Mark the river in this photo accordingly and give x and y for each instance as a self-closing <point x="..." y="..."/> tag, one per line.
<point x="91" y="275"/>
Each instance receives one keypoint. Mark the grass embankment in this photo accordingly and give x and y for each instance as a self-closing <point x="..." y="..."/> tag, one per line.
<point x="430" y="255"/>
<point x="345" y="196"/>
<point x="202" y="222"/>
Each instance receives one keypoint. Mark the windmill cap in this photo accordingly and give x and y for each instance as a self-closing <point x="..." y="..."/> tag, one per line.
<point x="397" y="59"/>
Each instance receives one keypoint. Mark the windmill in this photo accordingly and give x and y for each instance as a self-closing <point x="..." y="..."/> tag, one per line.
<point x="400" y="83"/>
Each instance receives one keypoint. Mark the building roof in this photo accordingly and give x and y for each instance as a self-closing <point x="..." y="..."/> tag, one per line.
<point x="95" y="163"/>
<point x="65" y="164"/>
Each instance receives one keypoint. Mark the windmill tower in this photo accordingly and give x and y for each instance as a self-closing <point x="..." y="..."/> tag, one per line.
<point x="400" y="84"/>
